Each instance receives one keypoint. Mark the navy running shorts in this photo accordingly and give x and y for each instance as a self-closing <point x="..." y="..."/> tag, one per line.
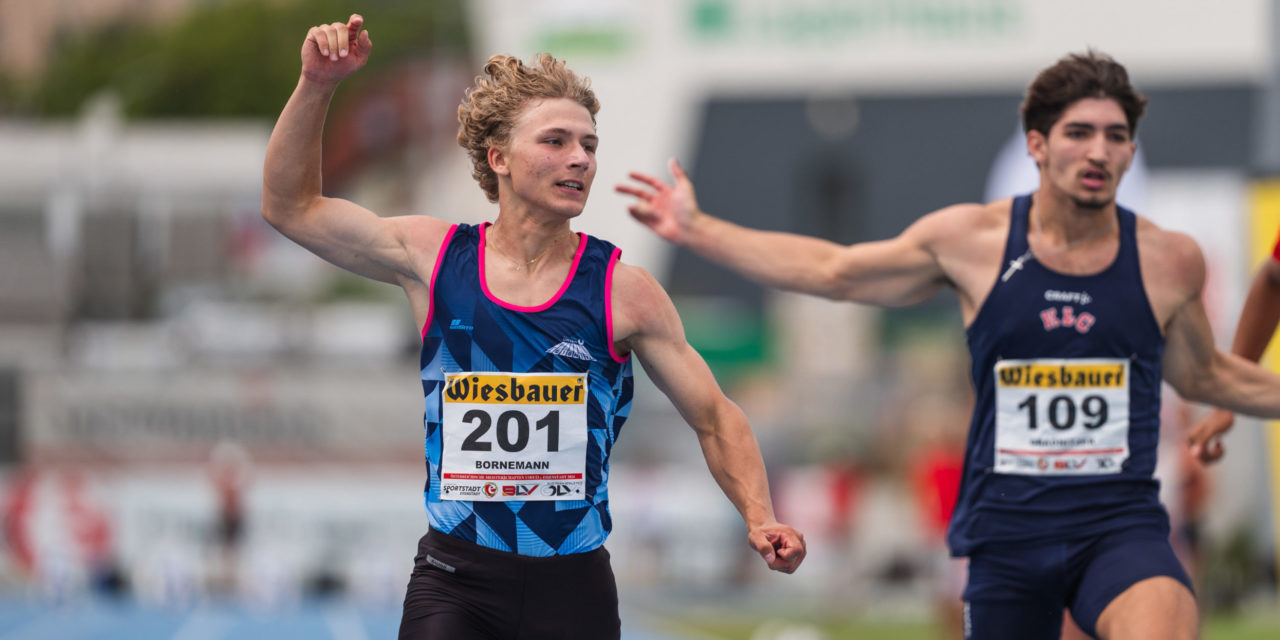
<point x="463" y="591"/>
<point x="1019" y="592"/>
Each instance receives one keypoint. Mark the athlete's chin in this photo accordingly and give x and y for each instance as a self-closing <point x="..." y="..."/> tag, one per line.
<point x="1093" y="201"/>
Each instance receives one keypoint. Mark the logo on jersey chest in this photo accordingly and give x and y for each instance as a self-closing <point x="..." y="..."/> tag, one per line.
<point x="572" y="348"/>
<point x="1066" y="316"/>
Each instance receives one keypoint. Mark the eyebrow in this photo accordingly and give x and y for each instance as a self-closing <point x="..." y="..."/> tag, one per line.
<point x="566" y="132"/>
<point x="1089" y="125"/>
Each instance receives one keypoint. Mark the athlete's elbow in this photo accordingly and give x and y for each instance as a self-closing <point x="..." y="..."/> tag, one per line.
<point x="275" y="210"/>
<point x="826" y="282"/>
<point x="282" y="212"/>
<point x="1203" y="387"/>
<point x="1193" y="391"/>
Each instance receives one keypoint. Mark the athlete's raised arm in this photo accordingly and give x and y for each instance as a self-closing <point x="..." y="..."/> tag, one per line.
<point x="337" y="230"/>
<point x="894" y="272"/>
<point x="646" y="323"/>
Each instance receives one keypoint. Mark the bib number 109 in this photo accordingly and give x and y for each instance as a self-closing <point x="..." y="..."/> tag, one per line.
<point x="1063" y="411"/>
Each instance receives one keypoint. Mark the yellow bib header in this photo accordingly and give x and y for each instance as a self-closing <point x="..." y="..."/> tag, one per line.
<point x="1060" y="376"/>
<point x="507" y="388"/>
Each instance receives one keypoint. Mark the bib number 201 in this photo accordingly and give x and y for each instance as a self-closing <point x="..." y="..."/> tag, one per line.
<point x="512" y="430"/>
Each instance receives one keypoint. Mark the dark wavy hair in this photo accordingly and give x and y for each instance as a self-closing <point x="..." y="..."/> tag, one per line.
<point x="1076" y="77"/>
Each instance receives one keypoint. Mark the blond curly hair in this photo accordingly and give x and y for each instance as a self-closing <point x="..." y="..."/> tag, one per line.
<point x="490" y="107"/>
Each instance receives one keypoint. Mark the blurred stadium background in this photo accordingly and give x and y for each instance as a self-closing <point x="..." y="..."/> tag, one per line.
<point x="206" y="432"/>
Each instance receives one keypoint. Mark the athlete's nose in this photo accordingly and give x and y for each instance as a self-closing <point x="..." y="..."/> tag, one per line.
<point x="579" y="158"/>
<point x="1098" y="149"/>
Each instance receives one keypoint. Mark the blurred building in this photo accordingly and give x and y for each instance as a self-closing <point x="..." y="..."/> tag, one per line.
<point x="30" y="30"/>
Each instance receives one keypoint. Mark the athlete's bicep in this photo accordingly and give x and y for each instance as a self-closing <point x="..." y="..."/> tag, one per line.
<point x="889" y="273"/>
<point x="1190" y="353"/>
<point x="358" y="240"/>
<point x="905" y="269"/>
<point x="1175" y="290"/>
<point x="647" y="324"/>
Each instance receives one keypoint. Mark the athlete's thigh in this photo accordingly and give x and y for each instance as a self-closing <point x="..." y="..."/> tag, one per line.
<point x="433" y="610"/>
<point x="1014" y="595"/>
<point x="1133" y="579"/>
<point x="575" y="597"/>
<point x="453" y="595"/>
<point x="1159" y="607"/>
<point x="441" y="625"/>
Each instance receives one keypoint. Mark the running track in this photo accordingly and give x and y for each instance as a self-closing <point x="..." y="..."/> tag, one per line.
<point x="21" y="620"/>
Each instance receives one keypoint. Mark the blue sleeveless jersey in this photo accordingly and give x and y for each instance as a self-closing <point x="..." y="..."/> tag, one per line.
<point x="469" y="330"/>
<point x="1067" y="375"/>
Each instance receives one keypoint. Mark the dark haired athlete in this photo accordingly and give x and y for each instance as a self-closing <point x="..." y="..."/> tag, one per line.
<point x="1074" y="309"/>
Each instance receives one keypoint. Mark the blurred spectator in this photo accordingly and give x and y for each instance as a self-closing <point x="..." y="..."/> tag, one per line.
<point x="229" y="466"/>
<point x="935" y="466"/>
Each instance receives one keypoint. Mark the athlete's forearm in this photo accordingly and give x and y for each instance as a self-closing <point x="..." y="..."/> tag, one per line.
<point x="733" y="456"/>
<point x="1241" y="386"/>
<point x="776" y="259"/>
<point x="291" y="176"/>
<point x="1260" y="314"/>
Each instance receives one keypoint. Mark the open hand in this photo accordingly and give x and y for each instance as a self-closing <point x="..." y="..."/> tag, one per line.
<point x="334" y="51"/>
<point x="668" y="209"/>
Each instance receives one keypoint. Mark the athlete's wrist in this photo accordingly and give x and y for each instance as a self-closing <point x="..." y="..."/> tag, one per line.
<point x="322" y="86"/>
<point x="697" y="228"/>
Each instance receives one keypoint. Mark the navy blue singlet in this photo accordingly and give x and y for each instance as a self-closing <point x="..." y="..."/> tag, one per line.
<point x="1067" y="375"/>
<point x="525" y="465"/>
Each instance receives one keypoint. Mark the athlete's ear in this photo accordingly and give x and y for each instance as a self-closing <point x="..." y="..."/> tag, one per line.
<point x="498" y="160"/>
<point x="1036" y="146"/>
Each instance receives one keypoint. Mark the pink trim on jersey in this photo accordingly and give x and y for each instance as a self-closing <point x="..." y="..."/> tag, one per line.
<point x="573" y="268"/>
<point x="608" y="304"/>
<point x="435" y="271"/>
<point x="1275" y="251"/>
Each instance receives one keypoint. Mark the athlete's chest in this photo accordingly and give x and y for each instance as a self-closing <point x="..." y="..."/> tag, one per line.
<point x="1075" y="317"/>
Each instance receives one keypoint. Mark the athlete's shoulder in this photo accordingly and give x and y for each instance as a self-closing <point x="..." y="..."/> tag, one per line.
<point x="640" y="304"/>
<point x="1168" y="256"/>
<point x="966" y="218"/>
<point x="962" y="229"/>
<point x="1175" y="245"/>
<point x="634" y="284"/>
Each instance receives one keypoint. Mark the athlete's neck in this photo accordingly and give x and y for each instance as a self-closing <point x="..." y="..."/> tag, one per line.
<point x="526" y="243"/>
<point x="1062" y="222"/>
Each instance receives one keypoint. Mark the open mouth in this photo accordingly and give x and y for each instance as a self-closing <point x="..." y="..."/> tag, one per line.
<point x="1094" y="179"/>
<point x="571" y="184"/>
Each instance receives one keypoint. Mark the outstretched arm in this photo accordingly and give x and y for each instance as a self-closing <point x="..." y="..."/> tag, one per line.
<point x="1258" y="320"/>
<point x="893" y="272"/>
<point x="337" y="230"/>
<point x="650" y="327"/>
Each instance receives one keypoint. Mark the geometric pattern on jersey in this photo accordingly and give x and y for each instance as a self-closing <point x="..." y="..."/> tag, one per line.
<point x="469" y="330"/>
<point x="1019" y="320"/>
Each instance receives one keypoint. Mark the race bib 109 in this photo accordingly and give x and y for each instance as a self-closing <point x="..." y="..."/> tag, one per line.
<point x="1062" y="417"/>
<point x="514" y="436"/>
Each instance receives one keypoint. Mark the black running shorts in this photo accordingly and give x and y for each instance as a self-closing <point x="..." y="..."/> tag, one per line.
<point x="462" y="591"/>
